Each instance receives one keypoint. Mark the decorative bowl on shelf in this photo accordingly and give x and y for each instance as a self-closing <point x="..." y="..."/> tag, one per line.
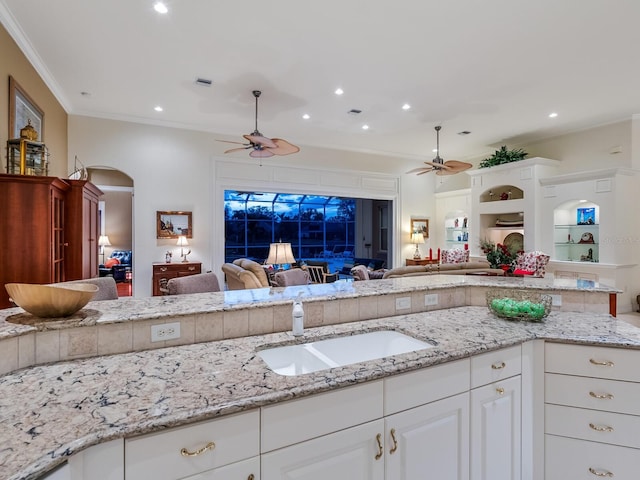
<point x="51" y="301"/>
<point x="519" y="304"/>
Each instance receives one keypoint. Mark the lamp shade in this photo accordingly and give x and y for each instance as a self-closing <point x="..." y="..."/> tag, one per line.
<point x="280" y="253"/>
<point x="103" y="241"/>
<point x="417" y="238"/>
<point x="182" y="241"/>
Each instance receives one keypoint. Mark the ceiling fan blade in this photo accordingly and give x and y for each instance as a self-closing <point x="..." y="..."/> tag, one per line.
<point x="229" y="141"/>
<point x="453" y="167"/>
<point x="283" y="147"/>
<point x="438" y="166"/>
<point x="236" y="149"/>
<point x="420" y="169"/>
<point x="260" y="140"/>
<point x="260" y="154"/>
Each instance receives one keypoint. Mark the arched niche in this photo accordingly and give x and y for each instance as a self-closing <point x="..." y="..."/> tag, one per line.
<point x="501" y="193"/>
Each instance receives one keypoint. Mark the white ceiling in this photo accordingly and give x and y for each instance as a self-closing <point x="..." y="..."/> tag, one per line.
<point x="496" y="68"/>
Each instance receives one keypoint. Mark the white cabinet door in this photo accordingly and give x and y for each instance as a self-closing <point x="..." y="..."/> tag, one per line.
<point x="244" y="470"/>
<point x="430" y="441"/>
<point x="345" y="455"/>
<point x="495" y="431"/>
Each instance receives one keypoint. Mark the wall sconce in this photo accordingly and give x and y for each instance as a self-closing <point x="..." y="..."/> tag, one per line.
<point x="182" y="242"/>
<point x="103" y="241"/>
<point x="417" y="238"/>
<point x="280" y="253"/>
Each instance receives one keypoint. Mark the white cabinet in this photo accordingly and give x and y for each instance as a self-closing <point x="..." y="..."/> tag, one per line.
<point x="431" y="441"/>
<point x="195" y="449"/>
<point x="496" y="415"/>
<point x="592" y="414"/>
<point x="356" y="453"/>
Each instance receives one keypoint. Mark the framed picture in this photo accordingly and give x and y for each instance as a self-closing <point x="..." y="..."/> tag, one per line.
<point x="586" y="216"/>
<point x="420" y="225"/>
<point x="173" y="224"/>
<point x="22" y="110"/>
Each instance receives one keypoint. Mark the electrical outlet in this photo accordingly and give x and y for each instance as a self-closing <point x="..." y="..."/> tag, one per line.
<point x="166" y="331"/>
<point x="403" y="303"/>
<point x="430" y="299"/>
<point x="556" y="300"/>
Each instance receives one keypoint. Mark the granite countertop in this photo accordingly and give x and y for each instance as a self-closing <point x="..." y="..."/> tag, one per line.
<point x="51" y="411"/>
<point x="15" y="322"/>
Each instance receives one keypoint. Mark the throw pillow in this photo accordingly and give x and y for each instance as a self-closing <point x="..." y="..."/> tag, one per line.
<point x="111" y="262"/>
<point x="455" y="255"/>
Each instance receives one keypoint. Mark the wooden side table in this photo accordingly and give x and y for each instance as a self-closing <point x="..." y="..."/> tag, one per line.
<point x="162" y="272"/>
<point x="422" y="261"/>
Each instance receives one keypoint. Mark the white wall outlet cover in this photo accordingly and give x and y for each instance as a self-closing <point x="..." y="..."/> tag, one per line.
<point x="403" y="303"/>
<point x="430" y="299"/>
<point x="556" y="300"/>
<point x="166" y="331"/>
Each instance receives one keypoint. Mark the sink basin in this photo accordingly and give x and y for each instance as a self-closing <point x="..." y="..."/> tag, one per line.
<point x="338" y="352"/>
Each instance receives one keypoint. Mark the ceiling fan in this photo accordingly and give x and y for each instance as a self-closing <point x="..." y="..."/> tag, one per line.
<point x="261" y="146"/>
<point x="450" y="167"/>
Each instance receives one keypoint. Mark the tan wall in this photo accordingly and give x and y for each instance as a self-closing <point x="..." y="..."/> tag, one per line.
<point x="14" y="63"/>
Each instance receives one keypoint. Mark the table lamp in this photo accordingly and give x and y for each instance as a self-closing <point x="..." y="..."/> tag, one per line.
<point x="103" y="241"/>
<point x="182" y="242"/>
<point x="280" y="253"/>
<point x="417" y="238"/>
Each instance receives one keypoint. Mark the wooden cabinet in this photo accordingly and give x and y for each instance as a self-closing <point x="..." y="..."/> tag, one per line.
<point x="82" y="230"/>
<point x="49" y="230"/>
<point x="422" y="261"/>
<point x="32" y="236"/>
<point x="592" y="413"/>
<point x="162" y="272"/>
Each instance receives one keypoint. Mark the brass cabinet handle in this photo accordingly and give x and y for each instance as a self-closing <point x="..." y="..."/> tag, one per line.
<point x="250" y="477"/>
<point x="600" y="473"/>
<point x="393" y="449"/>
<point x="498" y="366"/>
<point x="163" y="269"/>
<point x="606" y="396"/>
<point x="601" y="428"/>
<point x="380" y="449"/>
<point x="186" y="453"/>
<point x="606" y="363"/>
<point x="191" y="269"/>
<point x="500" y="390"/>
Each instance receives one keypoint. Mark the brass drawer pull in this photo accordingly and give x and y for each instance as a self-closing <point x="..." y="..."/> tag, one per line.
<point x="191" y="269"/>
<point x="500" y="390"/>
<point x="380" y="449"/>
<point x="601" y="428"/>
<point x="163" y="269"/>
<point x="606" y="363"/>
<point x="605" y="396"/>
<point x="600" y="473"/>
<point x="250" y="477"/>
<point x="186" y="453"/>
<point x="395" y="442"/>
<point x="498" y="366"/>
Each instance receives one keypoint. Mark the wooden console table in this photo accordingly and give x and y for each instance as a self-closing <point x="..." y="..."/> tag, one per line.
<point x="422" y="261"/>
<point x="165" y="271"/>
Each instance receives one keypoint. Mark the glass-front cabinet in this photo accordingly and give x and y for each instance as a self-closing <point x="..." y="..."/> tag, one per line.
<point x="25" y="157"/>
<point x="456" y="227"/>
<point x="577" y="231"/>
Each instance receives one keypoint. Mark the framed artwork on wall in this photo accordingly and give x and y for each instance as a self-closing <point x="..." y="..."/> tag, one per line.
<point x="22" y="111"/>
<point x="173" y="224"/>
<point x="586" y="216"/>
<point x="420" y="225"/>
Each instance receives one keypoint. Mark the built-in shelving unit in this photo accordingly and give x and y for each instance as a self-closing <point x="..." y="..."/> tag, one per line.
<point x="456" y="227"/>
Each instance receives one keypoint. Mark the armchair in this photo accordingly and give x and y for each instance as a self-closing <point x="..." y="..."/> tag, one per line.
<point x="117" y="265"/>
<point x="244" y="273"/>
<point x="531" y="263"/>
<point x="319" y="272"/>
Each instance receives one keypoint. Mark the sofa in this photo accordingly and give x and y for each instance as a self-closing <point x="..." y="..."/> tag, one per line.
<point x="117" y="265"/>
<point x="244" y="273"/>
<point x="464" y="268"/>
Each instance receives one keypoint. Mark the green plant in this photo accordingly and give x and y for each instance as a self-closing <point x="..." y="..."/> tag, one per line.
<point x="498" y="255"/>
<point x="503" y="156"/>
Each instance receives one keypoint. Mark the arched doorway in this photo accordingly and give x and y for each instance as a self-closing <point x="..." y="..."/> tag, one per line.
<point x="116" y="224"/>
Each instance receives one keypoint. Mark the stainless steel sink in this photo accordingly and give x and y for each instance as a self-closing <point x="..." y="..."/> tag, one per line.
<point x="338" y="352"/>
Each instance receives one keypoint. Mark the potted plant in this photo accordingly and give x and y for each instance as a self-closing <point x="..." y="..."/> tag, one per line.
<point x="499" y="256"/>
<point x="503" y="156"/>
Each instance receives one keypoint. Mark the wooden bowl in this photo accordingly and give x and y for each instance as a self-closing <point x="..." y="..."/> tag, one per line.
<point x="51" y="301"/>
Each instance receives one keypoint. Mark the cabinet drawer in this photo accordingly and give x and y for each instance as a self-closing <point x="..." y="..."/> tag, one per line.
<point x="569" y="459"/>
<point x="595" y="393"/>
<point x="409" y="390"/>
<point x="240" y="470"/>
<point x="298" y="420"/>
<point x="589" y="361"/>
<point x="605" y="427"/>
<point x="158" y="455"/>
<point x="493" y="366"/>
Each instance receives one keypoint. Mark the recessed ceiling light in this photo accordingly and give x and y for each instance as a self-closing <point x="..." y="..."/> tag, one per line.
<point x="158" y="108"/>
<point x="306" y="116"/>
<point x="339" y="91"/>
<point x="365" y="127"/>
<point x="553" y="115"/>
<point x="160" y="7"/>
<point x="406" y="106"/>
